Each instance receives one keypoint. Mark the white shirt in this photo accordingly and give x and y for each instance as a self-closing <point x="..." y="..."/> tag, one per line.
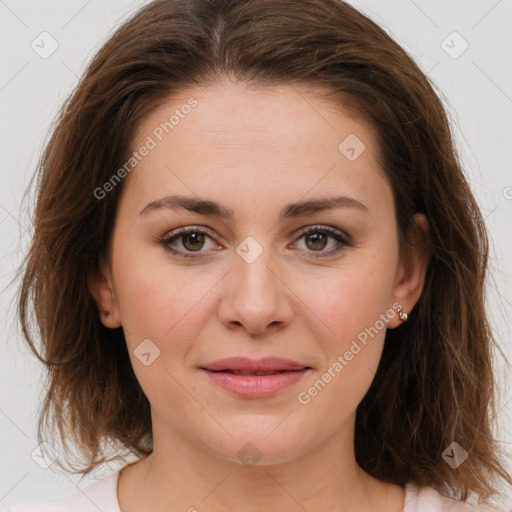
<point x="102" y="495"/>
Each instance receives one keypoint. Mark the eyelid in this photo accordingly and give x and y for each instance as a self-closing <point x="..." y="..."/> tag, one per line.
<point x="193" y="228"/>
<point x="321" y="227"/>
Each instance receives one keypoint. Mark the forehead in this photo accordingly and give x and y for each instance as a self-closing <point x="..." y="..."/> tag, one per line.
<point x="226" y="137"/>
<point x="228" y="111"/>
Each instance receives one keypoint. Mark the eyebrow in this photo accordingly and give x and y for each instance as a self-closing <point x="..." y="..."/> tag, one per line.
<point x="213" y="209"/>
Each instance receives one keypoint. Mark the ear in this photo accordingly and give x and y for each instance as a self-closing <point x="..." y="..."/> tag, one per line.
<point x="102" y="290"/>
<point x="411" y="272"/>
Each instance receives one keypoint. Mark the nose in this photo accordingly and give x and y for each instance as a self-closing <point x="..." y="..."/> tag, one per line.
<point x="256" y="296"/>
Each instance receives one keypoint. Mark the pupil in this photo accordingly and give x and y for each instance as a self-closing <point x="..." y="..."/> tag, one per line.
<point x="197" y="238"/>
<point x="317" y="238"/>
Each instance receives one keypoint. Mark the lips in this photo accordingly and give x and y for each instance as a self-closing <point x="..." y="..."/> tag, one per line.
<point x="246" y="366"/>
<point x="255" y="379"/>
<point x="257" y="374"/>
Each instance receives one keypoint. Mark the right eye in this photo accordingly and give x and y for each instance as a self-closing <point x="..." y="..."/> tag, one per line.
<point x="192" y="240"/>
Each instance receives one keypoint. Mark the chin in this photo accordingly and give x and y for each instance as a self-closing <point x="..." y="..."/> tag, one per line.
<point x="260" y="443"/>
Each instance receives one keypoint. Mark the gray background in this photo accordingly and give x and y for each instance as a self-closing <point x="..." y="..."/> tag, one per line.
<point x="477" y="90"/>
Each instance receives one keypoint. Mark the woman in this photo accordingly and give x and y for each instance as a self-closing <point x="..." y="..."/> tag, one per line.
<point x="258" y="266"/>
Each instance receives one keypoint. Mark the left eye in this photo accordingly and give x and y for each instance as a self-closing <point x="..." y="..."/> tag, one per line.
<point x="193" y="240"/>
<point x="316" y="239"/>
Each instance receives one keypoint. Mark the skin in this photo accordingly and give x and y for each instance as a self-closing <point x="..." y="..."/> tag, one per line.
<point x="255" y="150"/>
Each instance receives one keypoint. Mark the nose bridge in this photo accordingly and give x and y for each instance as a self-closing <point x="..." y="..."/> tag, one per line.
<point x="256" y="297"/>
<point x="253" y="267"/>
<point x="256" y="280"/>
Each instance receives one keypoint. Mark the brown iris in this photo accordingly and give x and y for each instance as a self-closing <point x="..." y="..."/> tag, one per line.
<point x="317" y="238"/>
<point x="196" y="239"/>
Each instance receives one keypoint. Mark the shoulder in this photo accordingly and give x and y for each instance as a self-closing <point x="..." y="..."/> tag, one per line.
<point x="427" y="499"/>
<point x="100" y="495"/>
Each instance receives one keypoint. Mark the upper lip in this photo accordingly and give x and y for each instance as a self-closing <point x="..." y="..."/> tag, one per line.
<point x="266" y="364"/>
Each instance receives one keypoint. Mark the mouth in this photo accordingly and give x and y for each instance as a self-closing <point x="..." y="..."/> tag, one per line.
<point x="248" y="378"/>
<point x="254" y="374"/>
<point x="246" y="366"/>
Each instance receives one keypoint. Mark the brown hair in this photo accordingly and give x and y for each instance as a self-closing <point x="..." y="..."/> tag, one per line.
<point x="434" y="384"/>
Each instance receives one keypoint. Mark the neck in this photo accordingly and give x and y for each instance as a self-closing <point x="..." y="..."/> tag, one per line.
<point x="182" y="475"/>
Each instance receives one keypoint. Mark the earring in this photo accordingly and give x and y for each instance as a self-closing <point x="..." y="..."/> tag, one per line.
<point x="402" y="315"/>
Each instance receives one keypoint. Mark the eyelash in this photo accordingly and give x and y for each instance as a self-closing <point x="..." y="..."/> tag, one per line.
<point x="343" y="243"/>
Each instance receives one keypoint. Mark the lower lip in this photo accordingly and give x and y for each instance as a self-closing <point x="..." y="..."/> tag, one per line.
<point x="255" y="386"/>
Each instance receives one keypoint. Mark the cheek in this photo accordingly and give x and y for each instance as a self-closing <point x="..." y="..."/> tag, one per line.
<point x="142" y="301"/>
<point x="352" y="348"/>
<point x="150" y="296"/>
<point x="159" y="300"/>
<point x="350" y="307"/>
<point x="352" y="297"/>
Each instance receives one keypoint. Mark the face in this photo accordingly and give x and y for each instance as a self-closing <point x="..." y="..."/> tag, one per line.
<point x="294" y="256"/>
